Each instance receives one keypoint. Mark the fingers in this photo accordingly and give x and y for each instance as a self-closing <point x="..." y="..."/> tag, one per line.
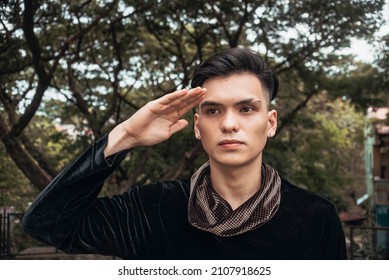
<point x="179" y="125"/>
<point x="189" y="101"/>
<point x="171" y="97"/>
<point x="183" y="100"/>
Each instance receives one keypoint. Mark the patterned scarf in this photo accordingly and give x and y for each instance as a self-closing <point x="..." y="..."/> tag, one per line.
<point x="208" y="211"/>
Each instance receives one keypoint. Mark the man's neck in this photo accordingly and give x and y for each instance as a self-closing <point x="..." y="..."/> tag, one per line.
<point x="236" y="184"/>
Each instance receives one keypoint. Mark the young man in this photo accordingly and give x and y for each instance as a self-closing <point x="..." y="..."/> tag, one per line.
<point x="234" y="207"/>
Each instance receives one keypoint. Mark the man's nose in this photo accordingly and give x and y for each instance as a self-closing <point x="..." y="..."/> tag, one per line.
<point x="229" y="123"/>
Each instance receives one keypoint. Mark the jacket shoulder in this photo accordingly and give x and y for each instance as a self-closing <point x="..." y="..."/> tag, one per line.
<point x="162" y="189"/>
<point x="296" y="195"/>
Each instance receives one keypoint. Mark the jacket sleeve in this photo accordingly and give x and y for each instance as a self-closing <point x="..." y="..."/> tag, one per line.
<point x="69" y="216"/>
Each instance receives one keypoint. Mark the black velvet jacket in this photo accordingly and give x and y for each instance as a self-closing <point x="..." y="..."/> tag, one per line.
<point x="151" y="221"/>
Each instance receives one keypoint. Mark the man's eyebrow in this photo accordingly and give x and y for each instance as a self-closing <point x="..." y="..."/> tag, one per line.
<point x="248" y="101"/>
<point x="240" y="102"/>
<point x="210" y="104"/>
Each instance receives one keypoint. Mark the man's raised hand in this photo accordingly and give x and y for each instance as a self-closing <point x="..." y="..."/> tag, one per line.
<point x="155" y="122"/>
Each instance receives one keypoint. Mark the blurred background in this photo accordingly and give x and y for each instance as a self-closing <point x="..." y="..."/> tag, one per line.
<point x="71" y="70"/>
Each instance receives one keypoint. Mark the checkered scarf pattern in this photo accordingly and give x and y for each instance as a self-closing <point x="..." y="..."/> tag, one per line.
<point x="208" y="211"/>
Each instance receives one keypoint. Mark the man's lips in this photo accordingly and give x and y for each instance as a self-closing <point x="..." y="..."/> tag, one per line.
<point x="230" y="143"/>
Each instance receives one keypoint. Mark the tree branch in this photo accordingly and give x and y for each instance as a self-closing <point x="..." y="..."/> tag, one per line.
<point x="43" y="78"/>
<point x="289" y="117"/>
<point x="25" y="163"/>
<point x="37" y="155"/>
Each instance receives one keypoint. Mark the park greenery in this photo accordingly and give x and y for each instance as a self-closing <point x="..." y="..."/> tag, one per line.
<point x="90" y="64"/>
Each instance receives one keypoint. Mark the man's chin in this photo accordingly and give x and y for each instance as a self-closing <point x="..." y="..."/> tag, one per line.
<point x="234" y="162"/>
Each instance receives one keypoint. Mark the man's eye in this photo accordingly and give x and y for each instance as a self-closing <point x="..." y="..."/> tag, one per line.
<point x="212" y="111"/>
<point x="246" y="109"/>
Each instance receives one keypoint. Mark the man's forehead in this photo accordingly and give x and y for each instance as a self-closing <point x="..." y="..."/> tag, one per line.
<point x="238" y="86"/>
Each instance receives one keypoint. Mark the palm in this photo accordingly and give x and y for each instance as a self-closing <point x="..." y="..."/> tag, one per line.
<point x="159" y="119"/>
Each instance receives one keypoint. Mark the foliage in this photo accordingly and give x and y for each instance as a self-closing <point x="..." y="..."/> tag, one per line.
<point x="91" y="64"/>
<point x="382" y="59"/>
<point x="322" y="151"/>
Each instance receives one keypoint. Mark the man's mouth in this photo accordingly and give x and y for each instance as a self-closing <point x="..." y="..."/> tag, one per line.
<point x="230" y="143"/>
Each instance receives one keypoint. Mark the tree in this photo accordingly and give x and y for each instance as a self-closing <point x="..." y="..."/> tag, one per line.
<point x="101" y="60"/>
<point x="382" y="62"/>
<point x="323" y="150"/>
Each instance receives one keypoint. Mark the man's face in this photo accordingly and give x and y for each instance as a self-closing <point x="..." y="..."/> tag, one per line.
<point x="234" y="121"/>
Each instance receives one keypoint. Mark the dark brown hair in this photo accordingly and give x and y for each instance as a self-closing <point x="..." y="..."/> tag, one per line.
<point x="237" y="60"/>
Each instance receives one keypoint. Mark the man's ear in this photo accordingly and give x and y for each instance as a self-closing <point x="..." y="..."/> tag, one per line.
<point x="272" y="123"/>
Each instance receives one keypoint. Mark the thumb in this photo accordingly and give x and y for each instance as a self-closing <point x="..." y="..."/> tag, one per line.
<point x="179" y="125"/>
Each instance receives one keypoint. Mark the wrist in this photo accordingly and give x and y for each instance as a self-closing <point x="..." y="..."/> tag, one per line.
<point x="118" y="140"/>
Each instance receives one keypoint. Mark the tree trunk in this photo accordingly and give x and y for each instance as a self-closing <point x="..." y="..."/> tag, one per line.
<point x="37" y="176"/>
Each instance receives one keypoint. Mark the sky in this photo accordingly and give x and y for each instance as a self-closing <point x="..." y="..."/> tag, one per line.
<point x="362" y="49"/>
